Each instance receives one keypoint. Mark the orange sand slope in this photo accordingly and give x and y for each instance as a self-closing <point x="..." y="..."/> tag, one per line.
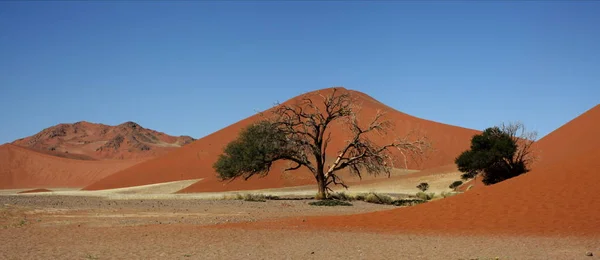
<point x="558" y="197"/>
<point x="24" y="168"/>
<point x="196" y="159"/>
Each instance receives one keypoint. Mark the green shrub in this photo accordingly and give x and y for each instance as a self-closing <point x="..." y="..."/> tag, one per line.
<point x="249" y="197"/>
<point x="360" y="196"/>
<point x="378" y="198"/>
<point x="255" y="197"/>
<point x="329" y="203"/>
<point x="425" y="196"/>
<point x="232" y="197"/>
<point x="342" y="196"/>
<point x="407" y="202"/>
<point x="446" y="194"/>
<point x="271" y="197"/>
<point x="455" y="184"/>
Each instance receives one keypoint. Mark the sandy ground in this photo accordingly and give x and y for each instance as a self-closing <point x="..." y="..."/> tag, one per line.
<point x="398" y="186"/>
<point x="74" y="227"/>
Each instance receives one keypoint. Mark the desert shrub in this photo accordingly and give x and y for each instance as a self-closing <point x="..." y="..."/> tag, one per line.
<point x="425" y="196"/>
<point x="455" y="184"/>
<point x="360" y="196"/>
<point x="407" y="202"/>
<point x="342" y="196"/>
<point x="272" y="197"/>
<point x="250" y="197"/>
<point x="329" y="203"/>
<point x="446" y="194"/>
<point x="378" y="198"/>
<point x="232" y="197"/>
<point x="423" y="186"/>
<point x="255" y="197"/>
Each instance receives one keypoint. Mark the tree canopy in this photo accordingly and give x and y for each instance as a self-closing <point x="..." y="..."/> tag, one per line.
<point x="498" y="154"/>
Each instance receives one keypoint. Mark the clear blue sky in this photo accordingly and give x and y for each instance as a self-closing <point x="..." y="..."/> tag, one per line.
<point x="192" y="68"/>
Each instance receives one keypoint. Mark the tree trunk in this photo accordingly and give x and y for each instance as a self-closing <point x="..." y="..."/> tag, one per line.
<point x="322" y="186"/>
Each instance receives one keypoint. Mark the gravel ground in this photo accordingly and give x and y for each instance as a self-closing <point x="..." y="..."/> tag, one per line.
<point x="53" y="227"/>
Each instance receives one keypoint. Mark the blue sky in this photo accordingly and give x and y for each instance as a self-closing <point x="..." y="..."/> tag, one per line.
<point x="170" y="66"/>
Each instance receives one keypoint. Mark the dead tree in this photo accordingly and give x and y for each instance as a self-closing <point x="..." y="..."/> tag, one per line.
<point x="304" y="128"/>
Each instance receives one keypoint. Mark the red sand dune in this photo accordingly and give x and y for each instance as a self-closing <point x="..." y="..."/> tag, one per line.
<point x="36" y="191"/>
<point x="558" y="197"/>
<point x="196" y="159"/>
<point x="89" y="141"/>
<point x="24" y="168"/>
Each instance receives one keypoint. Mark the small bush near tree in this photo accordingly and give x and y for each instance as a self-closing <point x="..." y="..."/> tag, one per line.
<point x="342" y="196"/>
<point x="423" y="186"/>
<point x="455" y="184"/>
<point x="498" y="154"/>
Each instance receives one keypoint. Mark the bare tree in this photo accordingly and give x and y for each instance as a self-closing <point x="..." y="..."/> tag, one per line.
<point x="305" y="127"/>
<point x="523" y="139"/>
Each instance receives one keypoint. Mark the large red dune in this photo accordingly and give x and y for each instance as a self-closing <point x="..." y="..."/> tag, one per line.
<point x="195" y="160"/>
<point x="24" y="168"/>
<point x="560" y="196"/>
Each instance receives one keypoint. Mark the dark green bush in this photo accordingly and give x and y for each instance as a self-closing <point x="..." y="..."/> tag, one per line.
<point x="455" y="184"/>
<point x="329" y="203"/>
<point x="407" y="202"/>
<point x="423" y="186"/>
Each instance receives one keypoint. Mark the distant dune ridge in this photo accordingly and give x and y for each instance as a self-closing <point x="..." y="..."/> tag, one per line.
<point x="194" y="161"/>
<point x="76" y="155"/>
<point x="90" y="141"/>
<point x="558" y="197"/>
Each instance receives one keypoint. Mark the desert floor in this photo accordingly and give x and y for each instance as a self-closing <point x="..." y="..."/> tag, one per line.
<point x="85" y="227"/>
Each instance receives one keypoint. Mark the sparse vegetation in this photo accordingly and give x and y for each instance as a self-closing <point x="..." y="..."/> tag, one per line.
<point x="255" y="197"/>
<point x="423" y="186"/>
<point x="330" y="203"/>
<point x="425" y="196"/>
<point x="407" y="202"/>
<point x="378" y="198"/>
<point x="446" y="194"/>
<point x="343" y="196"/>
<point x="250" y="197"/>
<point x="296" y="133"/>
<point x="360" y="196"/>
<point x="455" y="185"/>
<point x="89" y="256"/>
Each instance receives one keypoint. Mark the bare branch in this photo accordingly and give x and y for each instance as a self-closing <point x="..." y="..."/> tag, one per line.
<point x="305" y="121"/>
<point x="524" y="140"/>
<point x="293" y="168"/>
